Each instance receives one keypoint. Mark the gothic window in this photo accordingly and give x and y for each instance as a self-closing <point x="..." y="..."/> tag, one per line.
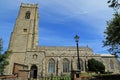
<point x="27" y="15"/>
<point x="111" y="64"/>
<point x="66" y="65"/>
<point x="51" y="66"/>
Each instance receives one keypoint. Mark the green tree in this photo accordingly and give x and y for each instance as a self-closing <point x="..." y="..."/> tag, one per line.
<point x="3" y="61"/>
<point x="112" y="32"/>
<point x="3" y="58"/>
<point x="112" y="35"/>
<point x="1" y="45"/>
<point x="95" y="66"/>
<point x="114" y="4"/>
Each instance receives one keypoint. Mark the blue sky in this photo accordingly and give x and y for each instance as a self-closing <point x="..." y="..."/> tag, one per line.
<point x="60" y="21"/>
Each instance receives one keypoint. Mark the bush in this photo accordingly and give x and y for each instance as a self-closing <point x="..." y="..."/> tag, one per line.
<point x="96" y="66"/>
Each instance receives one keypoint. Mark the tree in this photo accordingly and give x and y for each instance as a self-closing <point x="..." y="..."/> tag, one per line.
<point x="112" y="38"/>
<point x="112" y="32"/>
<point x="3" y="58"/>
<point x="1" y="43"/>
<point x="114" y="4"/>
<point x="95" y="66"/>
<point x="3" y="61"/>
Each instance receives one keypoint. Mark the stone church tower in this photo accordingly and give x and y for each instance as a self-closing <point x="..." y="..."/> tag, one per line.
<point x="44" y="60"/>
<point x="25" y="34"/>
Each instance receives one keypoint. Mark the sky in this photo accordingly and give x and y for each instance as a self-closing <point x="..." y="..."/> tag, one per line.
<point x="60" y="21"/>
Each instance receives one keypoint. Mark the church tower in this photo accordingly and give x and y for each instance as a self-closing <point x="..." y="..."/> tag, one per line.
<point x="25" y="34"/>
<point x="24" y="37"/>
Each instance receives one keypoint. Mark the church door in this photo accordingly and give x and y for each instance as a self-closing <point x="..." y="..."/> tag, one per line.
<point x="33" y="71"/>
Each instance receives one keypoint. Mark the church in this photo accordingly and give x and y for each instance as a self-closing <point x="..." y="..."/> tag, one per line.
<point x="28" y="56"/>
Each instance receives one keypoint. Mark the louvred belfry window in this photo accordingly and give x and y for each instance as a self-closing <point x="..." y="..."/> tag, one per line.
<point x="27" y="15"/>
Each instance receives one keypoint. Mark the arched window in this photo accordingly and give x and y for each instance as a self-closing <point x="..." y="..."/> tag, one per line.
<point x="27" y="15"/>
<point x="51" y="66"/>
<point x="111" y="64"/>
<point x="66" y="65"/>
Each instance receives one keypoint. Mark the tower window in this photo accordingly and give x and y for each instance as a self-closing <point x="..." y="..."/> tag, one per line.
<point x="27" y="15"/>
<point x="24" y="30"/>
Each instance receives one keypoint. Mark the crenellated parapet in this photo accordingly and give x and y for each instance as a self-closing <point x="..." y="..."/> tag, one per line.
<point x="67" y="48"/>
<point x="29" y="5"/>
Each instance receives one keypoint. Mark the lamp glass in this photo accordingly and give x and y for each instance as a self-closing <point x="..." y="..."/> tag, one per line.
<point x="76" y="38"/>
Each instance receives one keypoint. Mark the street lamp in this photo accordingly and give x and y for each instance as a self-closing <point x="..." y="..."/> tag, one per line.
<point x="76" y="40"/>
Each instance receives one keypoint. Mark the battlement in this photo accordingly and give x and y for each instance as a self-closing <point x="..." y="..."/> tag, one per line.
<point x="29" y="5"/>
<point x="63" y="48"/>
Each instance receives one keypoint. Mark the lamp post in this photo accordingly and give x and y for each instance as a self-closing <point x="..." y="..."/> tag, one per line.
<point x="86" y="62"/>
<point x="76" y="40"/>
